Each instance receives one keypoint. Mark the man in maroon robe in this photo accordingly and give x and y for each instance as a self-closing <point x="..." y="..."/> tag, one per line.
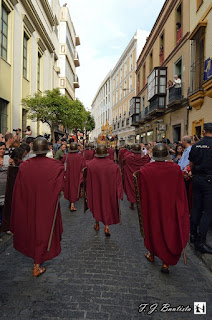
<point x="104" y="189"/>
<point x="164" y="208"/>
<point x="74" y="163"/>
<point x="111" y="153"/>
<point x="88" y="153"/>
<point x="35" y="196"/>
<point x="121" y="154"/>
<point x="132" y="163"/>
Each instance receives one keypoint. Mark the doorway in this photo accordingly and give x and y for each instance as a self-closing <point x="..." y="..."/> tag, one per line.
<point x="198" y="130"/>
<point x="177" y="133"/>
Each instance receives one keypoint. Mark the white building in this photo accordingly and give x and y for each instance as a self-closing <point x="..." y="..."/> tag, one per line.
<point x="112" y="100"/>
<point x="123" y="78"/>
<point x="68" y="58"/>
<point x="101" y="107"/>
<point x="28" y="58"/>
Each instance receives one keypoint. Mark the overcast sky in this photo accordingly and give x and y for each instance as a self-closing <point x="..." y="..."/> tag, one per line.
<point x="105" y="28"/>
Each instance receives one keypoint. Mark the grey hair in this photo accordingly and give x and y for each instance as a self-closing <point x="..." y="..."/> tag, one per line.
<point x="187" y="139"/>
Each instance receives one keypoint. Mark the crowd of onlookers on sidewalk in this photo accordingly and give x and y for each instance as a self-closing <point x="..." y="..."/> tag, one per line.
<point x="14" y="150"/>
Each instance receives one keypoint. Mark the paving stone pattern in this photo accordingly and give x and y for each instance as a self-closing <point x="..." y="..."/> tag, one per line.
<point x="100" y="278"/>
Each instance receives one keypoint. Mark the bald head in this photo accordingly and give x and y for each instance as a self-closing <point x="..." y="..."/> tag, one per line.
<point x="186" y="141"/>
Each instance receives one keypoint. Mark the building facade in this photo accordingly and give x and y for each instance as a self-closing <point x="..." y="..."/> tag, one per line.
<point x="123" y="78"/>
<point x="29" y="58"/>
<point x="101" y="107"/>
<point x="163" y="68"/>
<point x="200" y="97"/>
<point x="68" y="58"/>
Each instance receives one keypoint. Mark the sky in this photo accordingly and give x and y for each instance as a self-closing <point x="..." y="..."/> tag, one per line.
<point x="105" y="28"/>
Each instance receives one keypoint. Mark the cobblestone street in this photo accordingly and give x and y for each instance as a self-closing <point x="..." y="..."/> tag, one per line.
<point x="100" y="278"/>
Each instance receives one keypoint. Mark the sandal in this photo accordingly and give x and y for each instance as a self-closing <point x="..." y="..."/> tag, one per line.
<point x="96" y="227"/>
<point x="150" y="257"/>
<point x="38" y="271"/>
<point x="107" y="232"/>
<point x="165" y="268"/>
<point x="72" y="209"/>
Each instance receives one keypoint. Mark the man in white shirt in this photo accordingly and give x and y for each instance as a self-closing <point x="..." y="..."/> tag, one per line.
<point x="177" y="82"/>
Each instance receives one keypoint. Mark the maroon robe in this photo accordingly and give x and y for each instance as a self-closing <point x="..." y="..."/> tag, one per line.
<point x="37" y="187"/>
<point x="121" y="154"/>
<point x="111" y="153"/>
<point x="88" y="155"/>
<point x="133" y="163"/>
<point x="73" y="177"/>
<point x="164" y="209"/>
<point x="104" y="190"/>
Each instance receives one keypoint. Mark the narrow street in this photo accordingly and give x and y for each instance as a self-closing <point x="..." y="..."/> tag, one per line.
<point x="100" y="278"/>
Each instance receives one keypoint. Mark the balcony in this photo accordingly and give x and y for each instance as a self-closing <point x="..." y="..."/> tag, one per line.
<point x="135" y="120"/>
<point x="207" y="85"/>
<point x="76" y="59"/>
<point x="157" y="105"/>
<point x="196" y="97"/>
<point x="175" y="97"/>
<point x="76" y="82"/>
<point x="77" y="40"/>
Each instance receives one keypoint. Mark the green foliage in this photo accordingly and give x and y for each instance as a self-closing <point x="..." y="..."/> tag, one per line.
<point x="53" y="108"/>
<point x="89" y="121"/>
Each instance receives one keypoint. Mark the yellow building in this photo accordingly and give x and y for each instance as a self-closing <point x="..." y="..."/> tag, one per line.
<point x="158" y="110"/>
<point x="200" y="98"/>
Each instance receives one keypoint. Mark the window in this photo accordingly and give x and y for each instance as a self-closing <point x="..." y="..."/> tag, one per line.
<point x="199" y="3"/>
<point x="3" y="115"/>
<point x="161" y="48"/>
<point x="25" y="56"/>
<point x="131" y="62"/>
<point x="138" y="81"/>
<point x="150" y="61"/>
<point x="144" y="75"/>
<point x="197" y="60"/>
<point x="4" y="32"/>
<point x="38" y="71"/>
<point x="179" y="23"/>
<point x="125" y="69"/>
<point x="130" y="83"/>
<point x="143" y="103"/>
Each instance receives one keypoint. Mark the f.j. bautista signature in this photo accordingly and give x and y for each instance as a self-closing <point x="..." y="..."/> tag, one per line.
<point x="166" y="307"/>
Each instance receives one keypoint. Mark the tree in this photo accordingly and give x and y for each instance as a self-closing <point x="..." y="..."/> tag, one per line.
<point x="89" y="122"/>
<point x="51" y="108"/>
<point x="76" y="116"/>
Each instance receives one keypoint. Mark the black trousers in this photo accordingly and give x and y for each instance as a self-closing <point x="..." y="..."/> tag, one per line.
<point x="201" y="214"/>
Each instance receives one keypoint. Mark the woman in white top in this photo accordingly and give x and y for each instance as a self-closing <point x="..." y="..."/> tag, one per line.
<point x="28" y="132"/>
<point x="4" y="159"/>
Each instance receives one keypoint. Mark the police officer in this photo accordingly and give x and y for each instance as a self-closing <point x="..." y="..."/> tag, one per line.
<point x="201" y="165"/>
